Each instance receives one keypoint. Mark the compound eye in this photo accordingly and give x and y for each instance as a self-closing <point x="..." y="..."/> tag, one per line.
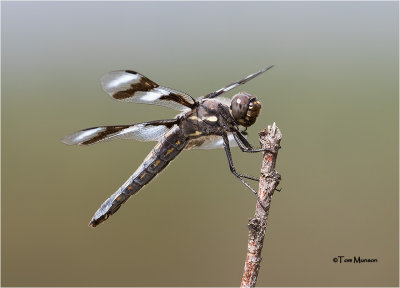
<point x="239" y="106"/>
<point x="245" y="109"/>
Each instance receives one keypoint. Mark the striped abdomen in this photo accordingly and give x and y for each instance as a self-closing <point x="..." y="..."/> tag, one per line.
<point x="166" y="150"/>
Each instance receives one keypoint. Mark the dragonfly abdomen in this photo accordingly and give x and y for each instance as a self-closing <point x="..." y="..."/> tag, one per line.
<point x="164" y="152"/>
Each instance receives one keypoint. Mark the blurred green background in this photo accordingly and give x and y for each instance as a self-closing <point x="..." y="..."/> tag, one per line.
<point x="333" y="93"/>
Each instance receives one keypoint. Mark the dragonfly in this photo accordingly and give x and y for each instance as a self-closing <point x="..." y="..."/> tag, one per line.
<point x="206" y="122"/>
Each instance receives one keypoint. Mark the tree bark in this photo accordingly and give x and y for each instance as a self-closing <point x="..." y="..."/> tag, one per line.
<point x="269" y="180"/>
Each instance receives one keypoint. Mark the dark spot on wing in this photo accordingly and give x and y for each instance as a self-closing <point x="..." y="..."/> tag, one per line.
<point x="104" y="133"/>
<point x="193" y="143"/>
<point x="144" y="85"/>
<point x="166" y="123"/>
<point x="131" y="72"/>
<point x="177" y="98"/>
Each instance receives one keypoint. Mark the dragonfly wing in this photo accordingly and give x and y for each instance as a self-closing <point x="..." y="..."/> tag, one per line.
<point x="235" y="84"/>
<point x="211" y="142"/>
<point x="130" y="86"/>
<point x="147" y="131"/>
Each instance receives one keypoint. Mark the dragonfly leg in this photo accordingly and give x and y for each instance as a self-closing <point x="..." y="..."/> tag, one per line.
<point x="233" y="170"/>
<point x="245" y="146"/>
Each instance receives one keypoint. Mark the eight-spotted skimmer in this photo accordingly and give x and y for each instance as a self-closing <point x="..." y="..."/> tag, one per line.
<point x="207" y="122"/>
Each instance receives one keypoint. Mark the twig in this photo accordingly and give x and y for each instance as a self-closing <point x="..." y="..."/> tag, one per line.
<point x="269" y="180"/>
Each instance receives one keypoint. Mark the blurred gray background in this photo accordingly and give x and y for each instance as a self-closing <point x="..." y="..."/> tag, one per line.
<point x="333" y="94"/>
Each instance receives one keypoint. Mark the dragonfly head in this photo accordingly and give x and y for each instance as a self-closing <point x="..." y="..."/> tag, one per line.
<point x="245" y="109"/>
